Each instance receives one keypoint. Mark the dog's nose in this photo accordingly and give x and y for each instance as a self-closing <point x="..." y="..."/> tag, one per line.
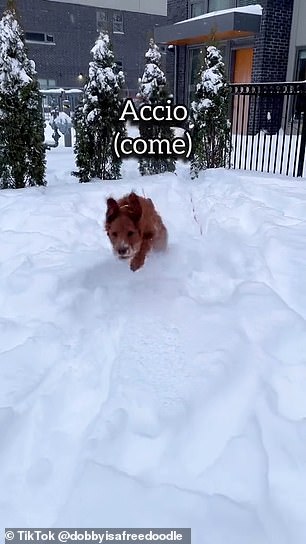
<point x="122" y="251"/>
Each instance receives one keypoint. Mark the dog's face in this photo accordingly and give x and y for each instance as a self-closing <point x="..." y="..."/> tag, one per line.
<point x="122" y="226"/>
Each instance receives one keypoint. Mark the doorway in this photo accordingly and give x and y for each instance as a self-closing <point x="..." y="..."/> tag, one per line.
<point x="242" y="74"/>
<point x="243" y="65"/>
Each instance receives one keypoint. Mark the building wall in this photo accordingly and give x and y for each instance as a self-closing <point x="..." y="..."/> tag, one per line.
<point x="272" y="43"/>
<point x="298" y="36"/>
<point x="155" y="7"/>
<point x="177" y="11"/>
<point x="300" y="33"/>
<point x="271" y="47"/>
<point x="75" y="30"/>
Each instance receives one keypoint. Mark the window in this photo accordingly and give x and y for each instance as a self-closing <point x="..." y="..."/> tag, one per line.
<point x="242" y="3"/>
<point x="43" y="83"/>
<point x="301" y="66"/>
<point x="47" y="83"/>
<point x="195" y="61"/>
<point x="39" y="37"/>
<point x="300" y="76"/>
<point x="197" y="7"/>
<point x="217" y="5"/>
<point x="119" y="66"/>
<point x="194" y="67"/>
<point x="34" y="37"/>
<point x="101" y="21"/>
<point x="118" y="22"/>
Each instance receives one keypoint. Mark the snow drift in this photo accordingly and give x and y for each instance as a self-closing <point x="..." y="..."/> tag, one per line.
<point x="173" y="396"/>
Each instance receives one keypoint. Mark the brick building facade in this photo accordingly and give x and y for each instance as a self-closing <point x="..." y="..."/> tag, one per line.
<point x="271" y="47"/>
<point x="255" y="44"/>
<point x="60" y="35"/>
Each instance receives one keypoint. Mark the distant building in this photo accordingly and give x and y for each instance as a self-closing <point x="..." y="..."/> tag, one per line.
<point x="254" y="42"/>
<point x="61" y="33"/>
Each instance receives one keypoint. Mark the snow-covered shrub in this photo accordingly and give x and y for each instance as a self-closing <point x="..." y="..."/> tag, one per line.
<point x="22" y="153"/>
<point x="96" y="118"/>
<point x="209" y="115"/>
<point x="153" y="91"/>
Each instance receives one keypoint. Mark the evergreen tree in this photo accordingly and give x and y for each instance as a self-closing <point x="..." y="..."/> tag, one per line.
<point x="153" y="91"/>
<point x="209" y="116"/>
<point x="97" y="116"/>
<point x="22" y="151"/>
<point x="82" y="147"/>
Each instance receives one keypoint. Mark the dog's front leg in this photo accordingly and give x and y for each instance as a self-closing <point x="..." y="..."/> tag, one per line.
<point x="139" y="259"/>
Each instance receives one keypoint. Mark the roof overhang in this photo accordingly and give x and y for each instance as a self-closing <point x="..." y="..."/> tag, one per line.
<point x="222" y="26"/>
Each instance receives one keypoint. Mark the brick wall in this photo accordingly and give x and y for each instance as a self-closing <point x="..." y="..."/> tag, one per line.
<point x="74" y="30"/>
<point x="272" y="44"/>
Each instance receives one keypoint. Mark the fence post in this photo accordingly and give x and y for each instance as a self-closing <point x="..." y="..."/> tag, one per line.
<point x="303" y="141"/>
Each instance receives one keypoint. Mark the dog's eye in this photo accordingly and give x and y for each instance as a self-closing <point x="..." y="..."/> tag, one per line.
<point x="114" y="234"/>
<point x="130" y="233"/>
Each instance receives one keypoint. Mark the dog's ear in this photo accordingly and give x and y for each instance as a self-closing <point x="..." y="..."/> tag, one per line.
<point x="135" y="209"/>
<point x="112" y="209"/>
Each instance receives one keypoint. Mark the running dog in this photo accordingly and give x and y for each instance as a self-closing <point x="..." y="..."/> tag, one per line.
<point x="134" y="228"/>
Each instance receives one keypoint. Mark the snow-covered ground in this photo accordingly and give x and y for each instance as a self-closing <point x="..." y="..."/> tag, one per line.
<point x="173" y="396"/>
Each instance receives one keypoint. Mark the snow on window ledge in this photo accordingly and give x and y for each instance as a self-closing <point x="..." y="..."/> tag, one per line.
<point x="39" y="43"/>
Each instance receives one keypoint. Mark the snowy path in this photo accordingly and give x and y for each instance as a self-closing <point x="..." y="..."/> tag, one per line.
<point x="174" y="396"/>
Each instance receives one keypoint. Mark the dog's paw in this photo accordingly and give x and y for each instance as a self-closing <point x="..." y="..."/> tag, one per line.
<point x="136" y="263"/>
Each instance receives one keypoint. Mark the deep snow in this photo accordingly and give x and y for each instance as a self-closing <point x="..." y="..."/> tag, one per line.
<point x="173" y="396"/>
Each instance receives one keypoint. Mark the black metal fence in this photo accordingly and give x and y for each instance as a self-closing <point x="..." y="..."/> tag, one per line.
<point x="59" y="100"/>
<point x="268" y="123"/>
<point x="67" y="99"/>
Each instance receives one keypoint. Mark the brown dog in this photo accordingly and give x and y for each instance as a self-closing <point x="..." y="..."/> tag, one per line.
<point x="134" y="228"/>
